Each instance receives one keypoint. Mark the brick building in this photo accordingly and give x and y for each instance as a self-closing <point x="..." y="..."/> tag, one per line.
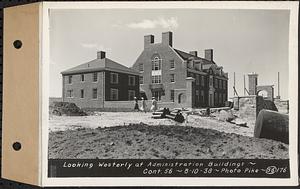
<point x="91" y="84"/>
<point x="172" y="75"/>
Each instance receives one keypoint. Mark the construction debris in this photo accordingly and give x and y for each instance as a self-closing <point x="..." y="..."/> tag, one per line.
<point x="65" y="108"/>
<point x="175" y="114"/>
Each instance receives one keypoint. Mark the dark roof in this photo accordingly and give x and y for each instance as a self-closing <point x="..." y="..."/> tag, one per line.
<point x="186" y="56"/>
<point x="100" y="65"/>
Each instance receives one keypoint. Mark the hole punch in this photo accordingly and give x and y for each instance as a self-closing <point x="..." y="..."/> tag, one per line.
<point x="17" y="44"/>
<point x="17" y="146"/>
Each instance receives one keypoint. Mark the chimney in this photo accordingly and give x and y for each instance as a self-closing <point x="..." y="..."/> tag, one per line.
<point x="209" y="54"/>
<point x="148" y="39"/>
<point x="194" y="53"/>
<point x="100" y="54"/>
<point x="167" y="38"/>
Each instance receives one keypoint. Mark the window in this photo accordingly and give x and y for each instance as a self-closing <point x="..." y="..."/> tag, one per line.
<point x="202" y="96"/>
<point x="157" y="95"/>
<point x="70" y="79"/>
<point x="220" y="98"/>
<point x="131" y="94"/>
<point x="202" y="80"/>
<point x="224" y="97"/>
<point x="224" y="84"/>
<point x="172" y="64"/>
<point x="156" y="79"/>
<point x="156" y="63"/>
<point x="172" y="95"/>
<point x="81" y="93"/>
<point x="197" y="79"/>
<point x="114" y="79"/>
<point x="95" y="77"/>
<point x="216" y="83"/>
<point x="114" y="94"/>
<point x="172" y="78"/>
<point x="141" y="67"/>
<point x="141" y="80"/>
<point x="131" y="80"/>
<point x="95" y="91"/>
<point x="210" y="81"/>
<point x="197" y="94"/>
<point x="82" y="77"/>
<point x="70" y="93"/>
<point x="220" y="84"/>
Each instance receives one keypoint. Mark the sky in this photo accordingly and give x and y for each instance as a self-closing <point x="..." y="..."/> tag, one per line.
<point x="243" y="41"/>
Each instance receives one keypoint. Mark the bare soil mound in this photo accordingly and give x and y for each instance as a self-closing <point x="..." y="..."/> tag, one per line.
<point x="65" y="108"/>
<point x="142" y="141"/>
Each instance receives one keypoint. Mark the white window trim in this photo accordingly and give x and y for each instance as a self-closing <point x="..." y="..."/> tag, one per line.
<point x="83" y="94"/>
<point x="173" y="78"/>
<point x="131" y="84"/>
<point x="111" y="89"/>
<point x="93" y="94"/>
<point x="97" y="77"/>
<point x="111" y="78"/>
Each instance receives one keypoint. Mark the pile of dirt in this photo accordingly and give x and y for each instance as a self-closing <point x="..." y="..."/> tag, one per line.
<point x="65" y="108"/>
<point x="160" y="142"/>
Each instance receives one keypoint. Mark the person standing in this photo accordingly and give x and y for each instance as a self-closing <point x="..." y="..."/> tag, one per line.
<point x="136" y="104"/>
<point x="143" y="107"/>
<point x="153" y="104"/>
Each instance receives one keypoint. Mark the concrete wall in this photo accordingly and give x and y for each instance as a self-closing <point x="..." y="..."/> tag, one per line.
<point x="116" y="106"/>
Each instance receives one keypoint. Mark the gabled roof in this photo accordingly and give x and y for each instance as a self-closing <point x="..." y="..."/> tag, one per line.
<point x="186" y="56"/>
<point x="100" y="65"/>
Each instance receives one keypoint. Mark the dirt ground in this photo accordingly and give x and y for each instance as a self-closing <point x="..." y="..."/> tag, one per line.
<point x="136" y="135"/>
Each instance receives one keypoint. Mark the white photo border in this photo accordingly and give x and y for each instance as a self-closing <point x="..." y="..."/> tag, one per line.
<point x="167" y="181"/>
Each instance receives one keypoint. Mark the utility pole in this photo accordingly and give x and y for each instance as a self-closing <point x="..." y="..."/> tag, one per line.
<point x="244" y="86"/>
<point x="278" y="88"/>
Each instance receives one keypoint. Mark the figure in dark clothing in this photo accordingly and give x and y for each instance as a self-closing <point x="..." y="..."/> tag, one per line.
<point x="136" y="104"/>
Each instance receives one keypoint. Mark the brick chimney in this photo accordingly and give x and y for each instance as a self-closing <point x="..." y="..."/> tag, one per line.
<point x="100" y="54"/>
<point x="209" y="54"/>
<point x="167" y="38"/>
<point x="194" y="53"/>
<point x="148" y="39"/>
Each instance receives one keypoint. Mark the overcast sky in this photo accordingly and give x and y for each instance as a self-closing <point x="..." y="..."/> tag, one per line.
<point x="244" y="41"/>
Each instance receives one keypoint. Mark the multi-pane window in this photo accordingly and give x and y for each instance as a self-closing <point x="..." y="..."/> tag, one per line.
<point x="70" y="79"/>
<point x="95" y="93"/>
<point x="202" y="80"/>
<point x="131" y="80"/>
<point x="114" y="79"/>
<point x="172" y="95"/>
<point x="172" y="64"/>
<point x="172" y="78"/>
<point x="197" y="94"/>
<point x="202" y="96"/>
<point x="131" y="94"/>
<point x="157" y="95"/>
<point x="216" y="83"/>
<point x="70" y="93"/>
<point x="156" y="63"/>
<point x="197" y="79"/>
<point x="210" y="81"/>
<point x="141" y="80"/>
<point x="141" y="67"/>
<point x="156" y="79"/>
<point x="82" y="77"/>
<point x="95" y="77"/>
<point x="81" y="93"/>
<point x="114" y="94"/>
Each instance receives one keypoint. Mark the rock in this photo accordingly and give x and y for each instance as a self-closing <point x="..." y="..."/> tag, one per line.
<point x="226" y="115"/>
<point x="240" y="122"/>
